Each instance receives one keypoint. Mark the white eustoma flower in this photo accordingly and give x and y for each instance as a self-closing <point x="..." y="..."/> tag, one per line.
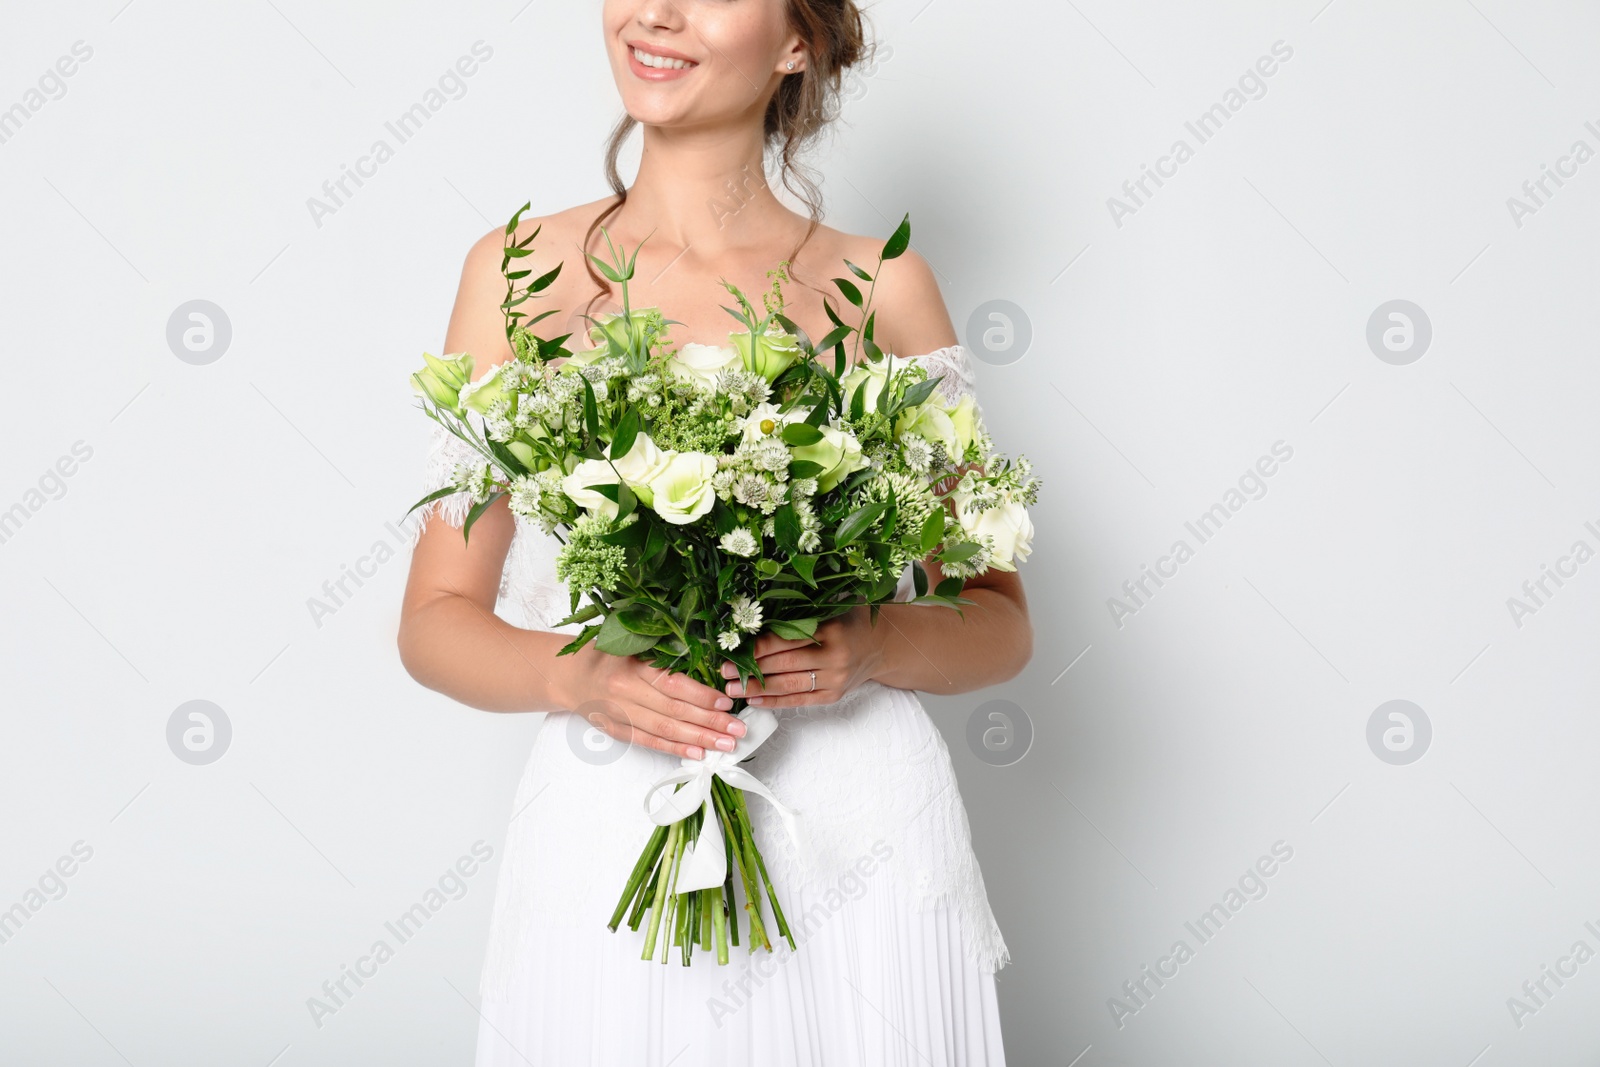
<point x="700" y="364"/>
<point x="1007" y="525"/>
<point x="589" y="473"/>
<point x="682" y="492"/>
<point x="641" y="464"/>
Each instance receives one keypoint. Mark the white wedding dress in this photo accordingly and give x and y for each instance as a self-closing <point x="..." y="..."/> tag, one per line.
<point x="897" y="946"/>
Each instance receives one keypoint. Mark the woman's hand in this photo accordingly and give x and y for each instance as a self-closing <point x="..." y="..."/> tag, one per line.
<point x="628" y="699"/>
<point x="850" y="653"/>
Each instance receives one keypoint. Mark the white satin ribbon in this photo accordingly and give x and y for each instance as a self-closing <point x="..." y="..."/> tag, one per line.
<point x="705" y="864"/>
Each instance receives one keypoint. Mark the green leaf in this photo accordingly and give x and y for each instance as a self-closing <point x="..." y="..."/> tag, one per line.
<point x="851" y="293"/>
<point x="508" y="459"/>
<point x="858" y="401"/>
<point x="627" y="430"/>
<point x="949" y="587"/>
<point x="900" y="241"/>
<point x="961" y="550"/>
<point x="626" y="501"/>
<point x="451" y="490"/>
<point x="799" y="334"/>
<point x="768" y="568"/>
<point x="620" y="641"/>
<point x="583" y="614"/>
<point x="786" y="528"/>
<point x="802" y="468"/>
<point x="919" y="578"/>
<point x="805" y="567"/>
<point x="542" y="282"/>
<point x="605" y="268"/>
<point x="857" y="522"/>
<point x="640" y="619"/>
<point x="795" y="629"/>
<point x="834" y="337"/>
<point x="476" y="513"/>
<point x="858" y="272"/>
<point x="584" y="637"/>
<point x="933" y="531"/>
<point x="918" y="393"/>
<point x="591" y="411"/>
<point x="516" y="220"/>
<point x="801" y="433"/>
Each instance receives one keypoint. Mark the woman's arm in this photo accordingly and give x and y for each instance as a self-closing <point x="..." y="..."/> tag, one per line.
<point x="452" y="641"/>
<point x="912" y="646"/>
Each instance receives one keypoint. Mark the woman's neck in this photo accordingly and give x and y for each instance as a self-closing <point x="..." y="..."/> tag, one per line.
<point x="703" y="189"/>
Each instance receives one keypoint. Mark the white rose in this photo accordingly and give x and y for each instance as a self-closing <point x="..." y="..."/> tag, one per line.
<point x="682" y="492"/>
<point x="641" y="464"/>
<point x="931" y="422"/>
<point x="700" y="364"/>
<point x="875" y="374"/>
<point x="591" y="472"/>
<point x="964" y="417"/>
<point x="838" y="453"/>
<point x="1006" y="523"/>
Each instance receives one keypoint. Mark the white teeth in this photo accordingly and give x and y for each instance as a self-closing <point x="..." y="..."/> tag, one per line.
<point x="661" y="62"/>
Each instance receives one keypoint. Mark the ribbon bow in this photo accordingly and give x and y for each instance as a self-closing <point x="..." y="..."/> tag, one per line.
<point x="705" y="863"/>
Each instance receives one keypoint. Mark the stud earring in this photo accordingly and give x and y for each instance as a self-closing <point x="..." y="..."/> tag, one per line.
<point x="791" y="64"/>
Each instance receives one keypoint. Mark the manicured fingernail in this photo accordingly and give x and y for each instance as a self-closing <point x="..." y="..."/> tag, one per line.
<point x="723" y="703"/>
<point x="734" y="689"/>
<point x="729" y="671"/>
<point x="696" y="752"/>
<point x="756" y="700"/>
<point x="736" y="728"/>
<point x="725" y="743"/>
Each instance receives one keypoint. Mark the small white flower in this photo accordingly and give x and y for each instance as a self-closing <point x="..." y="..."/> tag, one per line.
<point x="750" y="490"/>
<point x="746" y="613"/>
<point x="729" y="639"/>
<point x="739" y="541"/>
<point x="918" y="453"/>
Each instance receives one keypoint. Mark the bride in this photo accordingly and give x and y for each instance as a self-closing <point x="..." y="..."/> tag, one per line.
<point x="897" y="946"/>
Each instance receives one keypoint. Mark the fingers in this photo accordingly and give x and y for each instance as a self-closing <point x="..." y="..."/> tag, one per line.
<point x="791" y="689"/>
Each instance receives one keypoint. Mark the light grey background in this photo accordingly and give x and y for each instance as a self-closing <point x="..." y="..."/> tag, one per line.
<point x="1169" y="353"/>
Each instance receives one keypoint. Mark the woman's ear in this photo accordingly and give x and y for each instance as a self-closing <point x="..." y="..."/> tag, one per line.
<point x="793" y="60"/>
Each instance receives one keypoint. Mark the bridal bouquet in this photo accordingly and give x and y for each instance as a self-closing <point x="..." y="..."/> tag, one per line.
<point x="703" y="494"/>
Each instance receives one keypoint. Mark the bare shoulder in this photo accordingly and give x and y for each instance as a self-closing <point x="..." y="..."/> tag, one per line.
<point x="912" y="317"/>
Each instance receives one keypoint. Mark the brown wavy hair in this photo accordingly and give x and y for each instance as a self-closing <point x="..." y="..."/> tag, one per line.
<point x="806" y="102"/>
